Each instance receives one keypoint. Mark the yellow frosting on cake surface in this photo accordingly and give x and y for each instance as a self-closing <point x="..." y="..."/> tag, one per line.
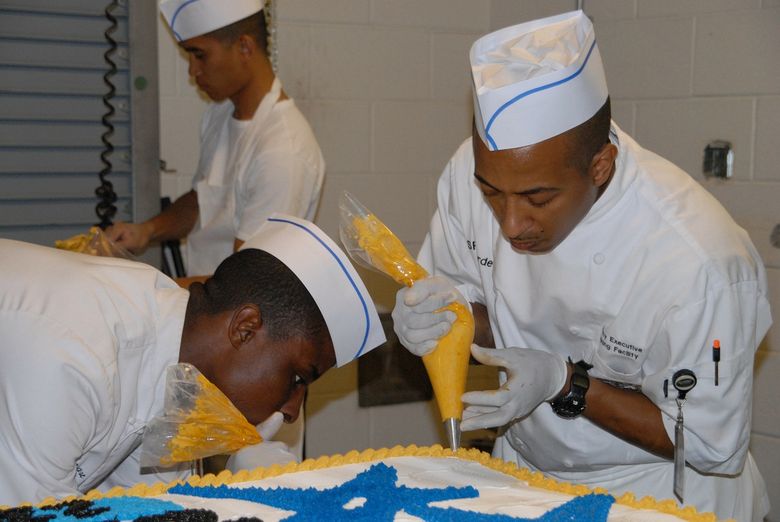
<point x="534" y="479"/>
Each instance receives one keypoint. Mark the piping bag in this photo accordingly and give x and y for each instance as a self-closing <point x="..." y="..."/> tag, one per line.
<point x="95" y="243"/>
<point x="369" y="242"/>
<point x="198" y="421"/>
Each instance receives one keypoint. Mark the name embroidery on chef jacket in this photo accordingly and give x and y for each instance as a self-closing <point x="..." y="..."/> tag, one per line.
<point x="621" y="348"/>
<point x="481" y="261"/>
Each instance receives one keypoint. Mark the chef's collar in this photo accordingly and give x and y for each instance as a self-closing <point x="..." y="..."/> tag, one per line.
<point x="330" y="278"/>
<point x="190" y="18"/>
<point x="536" y="80"/>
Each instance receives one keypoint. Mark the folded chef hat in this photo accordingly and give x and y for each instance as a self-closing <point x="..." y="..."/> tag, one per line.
<point x="190" y="18"/>
<point x="536" y="80"/>
<point x="330" y="278"/>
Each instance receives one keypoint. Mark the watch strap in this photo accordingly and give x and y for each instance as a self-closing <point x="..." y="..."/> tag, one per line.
<point x="572" y="403"/>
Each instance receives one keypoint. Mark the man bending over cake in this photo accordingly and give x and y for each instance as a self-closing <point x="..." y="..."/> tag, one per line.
<point x="85" y="343"/>
<point x="598" y="270"/>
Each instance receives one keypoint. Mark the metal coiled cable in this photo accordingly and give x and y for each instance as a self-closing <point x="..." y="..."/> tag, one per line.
<point x="105" y="208"/>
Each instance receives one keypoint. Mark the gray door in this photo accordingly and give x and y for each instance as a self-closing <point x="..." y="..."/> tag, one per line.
<point x="51" y="103"/>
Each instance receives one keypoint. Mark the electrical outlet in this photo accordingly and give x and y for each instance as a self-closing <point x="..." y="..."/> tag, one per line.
<point x="718" y="159"/>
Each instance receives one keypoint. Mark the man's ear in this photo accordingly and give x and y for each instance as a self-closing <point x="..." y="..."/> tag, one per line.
<point x="246" y="45"/>
<point x="602" y="164"/>
<point x="245" y="323"/>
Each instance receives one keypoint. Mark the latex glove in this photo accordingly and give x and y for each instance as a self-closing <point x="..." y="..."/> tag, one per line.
<point x="533" y="377"/>
<point x="264" y="453"/>
<point x="415" y="319"/>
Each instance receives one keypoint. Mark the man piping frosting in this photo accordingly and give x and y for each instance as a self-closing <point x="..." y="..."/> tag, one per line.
<point x="598" y="270"/>
<point x="85" y="343"/>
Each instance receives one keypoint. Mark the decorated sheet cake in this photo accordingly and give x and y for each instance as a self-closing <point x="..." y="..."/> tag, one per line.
<point x="410" y="483"/>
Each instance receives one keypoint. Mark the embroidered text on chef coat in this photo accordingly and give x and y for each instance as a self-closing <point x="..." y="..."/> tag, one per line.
<point x="482" y="261"/>
<point x="618" y="347"/>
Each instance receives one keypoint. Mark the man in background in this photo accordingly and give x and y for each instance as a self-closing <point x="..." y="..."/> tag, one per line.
<point x="258" y="154"/>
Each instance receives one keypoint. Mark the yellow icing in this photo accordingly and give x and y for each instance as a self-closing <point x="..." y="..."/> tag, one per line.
<point x="532" y="478"/>
<point x="213" y="426"/>
<point x="80" y="242"/>
<point x="448" y="364"/>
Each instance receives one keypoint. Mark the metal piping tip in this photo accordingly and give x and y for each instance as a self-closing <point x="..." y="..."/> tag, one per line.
<point x="452" y="428"/>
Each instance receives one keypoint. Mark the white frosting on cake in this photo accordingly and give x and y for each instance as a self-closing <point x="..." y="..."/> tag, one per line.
<point x="499" y="493"/>
<point x="400" y="483"/>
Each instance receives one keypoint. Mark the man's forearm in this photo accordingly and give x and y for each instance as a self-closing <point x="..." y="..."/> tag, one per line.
<point x="628" y="415"/>
<point x="176" y="221"/>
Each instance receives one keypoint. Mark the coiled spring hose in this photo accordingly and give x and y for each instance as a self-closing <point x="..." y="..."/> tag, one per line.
<point x="105" y="208"/>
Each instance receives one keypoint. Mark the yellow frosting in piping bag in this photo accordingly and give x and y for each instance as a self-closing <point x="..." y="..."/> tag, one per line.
<point x="447" y="365"/>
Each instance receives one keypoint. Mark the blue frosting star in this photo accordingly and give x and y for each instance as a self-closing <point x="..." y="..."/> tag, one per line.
<point x="382" y="498"/>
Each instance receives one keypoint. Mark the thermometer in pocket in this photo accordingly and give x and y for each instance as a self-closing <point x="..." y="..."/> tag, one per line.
<point x="683" y="381"/>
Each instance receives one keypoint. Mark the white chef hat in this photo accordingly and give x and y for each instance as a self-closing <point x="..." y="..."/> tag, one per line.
<point x="536" y="80"/>
<point x="330" y="278"/>
<point x="190" y="18"/>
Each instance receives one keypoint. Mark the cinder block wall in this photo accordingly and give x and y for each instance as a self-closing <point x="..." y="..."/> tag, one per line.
<point x="384" y="84"/>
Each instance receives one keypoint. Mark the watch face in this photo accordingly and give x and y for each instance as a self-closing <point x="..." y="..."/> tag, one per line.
<point x="568" y="407"/>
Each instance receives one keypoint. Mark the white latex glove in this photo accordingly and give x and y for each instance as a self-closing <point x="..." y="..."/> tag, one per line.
<point x="533" y="377"/>
<point x="415" y="319"/>
<point x="264" y="453"/>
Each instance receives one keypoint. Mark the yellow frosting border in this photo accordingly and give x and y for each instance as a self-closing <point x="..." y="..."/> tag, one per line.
<point x="533" y="478"/>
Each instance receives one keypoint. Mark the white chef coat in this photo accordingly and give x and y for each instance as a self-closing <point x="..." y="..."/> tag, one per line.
<point x="84" y="342"/>
<point x="249" y="170"/>
<point x="653" y="274"/>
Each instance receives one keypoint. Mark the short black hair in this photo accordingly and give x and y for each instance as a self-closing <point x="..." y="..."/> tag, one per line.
<point x="587" y="138"/>
<point x="254" y="25"/>
<point x="253" y="276"/>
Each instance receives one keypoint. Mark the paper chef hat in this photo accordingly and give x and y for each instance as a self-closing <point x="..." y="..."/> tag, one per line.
<point x="190" y="18"/>
<point x="330" y="278"/>
<point x="536" y="80"/>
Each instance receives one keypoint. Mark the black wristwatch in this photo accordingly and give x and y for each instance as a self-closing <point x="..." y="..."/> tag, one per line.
<point x="573" y="404"/>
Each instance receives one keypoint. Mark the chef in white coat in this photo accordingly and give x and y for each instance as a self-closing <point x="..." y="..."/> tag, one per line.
<point x="597" y="270"/>
<point x="85" y="343"/>
<point x="258" y="154"/>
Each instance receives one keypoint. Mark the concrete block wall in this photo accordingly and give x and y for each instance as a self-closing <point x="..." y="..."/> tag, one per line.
<point x="384" y="84"/>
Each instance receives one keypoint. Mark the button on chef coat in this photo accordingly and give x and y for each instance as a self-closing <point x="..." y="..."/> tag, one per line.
<point x="84" y="342"/>
<point x="249" y="170"/>
<point x="640" y="288"/>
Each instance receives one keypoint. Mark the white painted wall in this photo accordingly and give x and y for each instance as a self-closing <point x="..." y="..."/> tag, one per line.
<point x="384" y="84"/>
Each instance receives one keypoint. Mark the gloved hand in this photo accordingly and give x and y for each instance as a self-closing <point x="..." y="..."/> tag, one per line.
<point x="415" y="319"/>
<point x="264" y="453"/>
<point x="533" y="376"/>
